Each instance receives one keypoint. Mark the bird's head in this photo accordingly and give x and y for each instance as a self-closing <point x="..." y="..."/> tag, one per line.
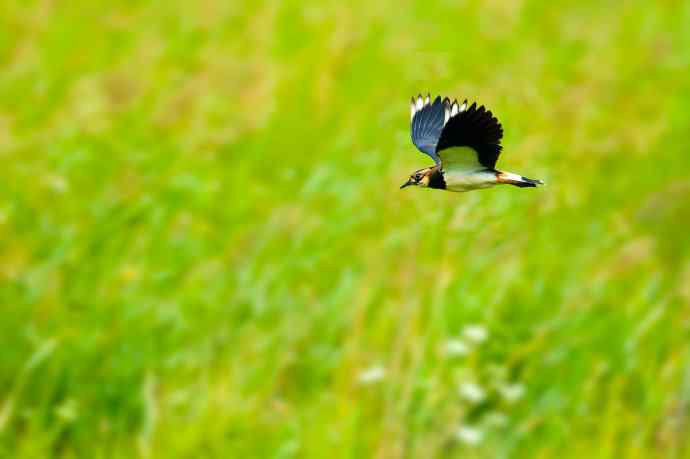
<point x="419" y="178"/>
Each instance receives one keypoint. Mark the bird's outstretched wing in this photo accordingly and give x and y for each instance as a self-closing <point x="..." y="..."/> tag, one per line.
<point x="426" y="124"/>
<point x="428" y="121"/>
<point x="471" y="139"/>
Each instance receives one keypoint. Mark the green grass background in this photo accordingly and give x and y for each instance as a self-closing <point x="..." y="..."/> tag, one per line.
<point x="204" y="251"/>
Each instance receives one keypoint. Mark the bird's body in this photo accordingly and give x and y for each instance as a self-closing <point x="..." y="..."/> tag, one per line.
<point x="475" y="180"/>
<point x="463" y="141"/>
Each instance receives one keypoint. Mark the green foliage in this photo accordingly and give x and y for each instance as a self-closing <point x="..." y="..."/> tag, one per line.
<point x="204" y="251"/>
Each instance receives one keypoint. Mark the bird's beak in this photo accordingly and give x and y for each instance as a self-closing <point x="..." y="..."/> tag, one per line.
<point x="408" y="183"/>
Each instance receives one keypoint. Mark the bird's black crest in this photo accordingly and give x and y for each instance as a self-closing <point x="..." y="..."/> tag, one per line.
<point x="476" y="128"/>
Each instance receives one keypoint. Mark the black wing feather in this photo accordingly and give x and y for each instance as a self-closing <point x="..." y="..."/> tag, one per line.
<point x="426" y="127"/>
<point x="476" y="128"/>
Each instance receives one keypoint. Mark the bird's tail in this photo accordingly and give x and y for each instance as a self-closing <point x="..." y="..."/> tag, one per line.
<point x="517" y="180"/>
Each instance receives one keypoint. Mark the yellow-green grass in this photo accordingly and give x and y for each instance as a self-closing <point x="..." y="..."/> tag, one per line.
<point x="204" y="251"/>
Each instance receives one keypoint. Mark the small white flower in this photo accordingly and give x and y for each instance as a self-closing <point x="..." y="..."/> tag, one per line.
<point x="456" y="347"/>
<point x="511" y="392"/>
<point x="475" y="333"/>
<point x="472" y="392"/>
<point x="372" y="375"/>
<point x="469" y="435"/>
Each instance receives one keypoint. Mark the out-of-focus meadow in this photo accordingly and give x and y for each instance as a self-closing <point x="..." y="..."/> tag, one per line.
<point x="204" y="251"/>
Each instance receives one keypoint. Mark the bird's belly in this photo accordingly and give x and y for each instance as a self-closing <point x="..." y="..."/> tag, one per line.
<point x="470" y="180"/>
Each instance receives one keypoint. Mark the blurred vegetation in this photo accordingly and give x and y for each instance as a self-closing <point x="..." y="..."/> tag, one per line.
<point x="204" y="251"/>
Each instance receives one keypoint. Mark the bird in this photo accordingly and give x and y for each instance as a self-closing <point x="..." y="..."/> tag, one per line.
<point x="464" y="142"/>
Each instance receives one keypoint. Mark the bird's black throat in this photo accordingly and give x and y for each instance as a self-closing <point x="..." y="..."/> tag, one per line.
<point x="436" y="179"/>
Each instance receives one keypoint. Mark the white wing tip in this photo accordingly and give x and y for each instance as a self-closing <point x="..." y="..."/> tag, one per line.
<point x="454" y="109"/>
<point x="451" y="109"/>
<point x="418" y="103"/>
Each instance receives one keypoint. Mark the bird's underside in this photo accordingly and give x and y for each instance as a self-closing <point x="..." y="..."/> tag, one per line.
<point x="463" y="141"/>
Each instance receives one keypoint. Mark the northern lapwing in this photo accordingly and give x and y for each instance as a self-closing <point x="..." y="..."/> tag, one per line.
<point x="463" y="141"/>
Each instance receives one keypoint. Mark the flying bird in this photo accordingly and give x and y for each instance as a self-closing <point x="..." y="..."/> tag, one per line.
<point x="463" y="141"/>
